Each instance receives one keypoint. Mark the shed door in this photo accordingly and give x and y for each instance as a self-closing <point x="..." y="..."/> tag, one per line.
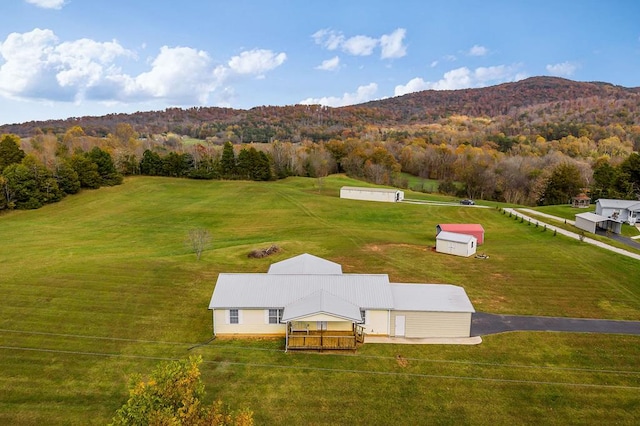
<point x="400" y="320"/>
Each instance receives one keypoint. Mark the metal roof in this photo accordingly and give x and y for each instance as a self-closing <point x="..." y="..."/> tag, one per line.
<point x="430" y="297"/>
<point x="455" y="237"/>
<point x="592" y="217"/>
<point x="460" y="227"/>
<point x="278" y="291"/>
<point x="361" y="188"/>
<point x="305" y="264"/>
<point x="321" y="302"/>
<point x="622" y="204"/>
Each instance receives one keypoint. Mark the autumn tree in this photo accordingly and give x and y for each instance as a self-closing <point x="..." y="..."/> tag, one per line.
<point x="565" y="182"/>
<point x="173" y="395"/>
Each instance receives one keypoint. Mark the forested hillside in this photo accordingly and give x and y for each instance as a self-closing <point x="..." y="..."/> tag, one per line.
<point x="538" y="141"/>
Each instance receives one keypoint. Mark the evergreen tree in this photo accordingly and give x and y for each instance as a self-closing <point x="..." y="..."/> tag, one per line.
<point x="228" y="162"/>
<point x="10" y="152"/>
<point x="151" y="164"/>
<point x="106" y="168"/>
<point x="565" y="182"/>
<point x="87" y="171"/>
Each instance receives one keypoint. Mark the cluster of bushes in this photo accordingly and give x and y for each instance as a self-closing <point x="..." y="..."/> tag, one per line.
<point x="27" y="183"/>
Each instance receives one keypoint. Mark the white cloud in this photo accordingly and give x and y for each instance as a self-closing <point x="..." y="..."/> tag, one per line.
<point x="564" y="69"/>
<point x="362" y="94"/>
<point x="392" y="46"/>
<point x="330" y="64"/>
<point x="434" y="64"/>
<point x="477" y="50"/>
<point x="47" y="4"/>
<point x="464" y="78"/>
<point x="329" y="39"/>
<point x="361" y="45"/>
<point x="256" y="62"/>
<point x="36" y="65"/>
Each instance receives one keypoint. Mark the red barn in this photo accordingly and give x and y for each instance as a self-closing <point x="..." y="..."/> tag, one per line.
<point x="474" y="229"/>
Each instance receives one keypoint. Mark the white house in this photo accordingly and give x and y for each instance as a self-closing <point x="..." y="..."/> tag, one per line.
<point x="371" y="194"/>
<point x="620" y="210"/>
<point x="591" y="222"/>
<point x="456" y="244"/>
<point x="310" y="302"/>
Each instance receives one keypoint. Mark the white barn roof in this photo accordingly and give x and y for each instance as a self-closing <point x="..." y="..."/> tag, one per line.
<point x="271" y="290"/>
<point x="430" y="297"/>
<point x="455" y="237"/>
<point x="367" y="189"/>
<point x="321" y="302"/>
<point x="305" y="264"/>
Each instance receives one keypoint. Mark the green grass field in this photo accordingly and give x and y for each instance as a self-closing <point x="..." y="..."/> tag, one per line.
<point x="102" y="285"/>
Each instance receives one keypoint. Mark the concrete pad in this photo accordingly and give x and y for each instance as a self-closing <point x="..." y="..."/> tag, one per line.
<point x="473" y="340"/>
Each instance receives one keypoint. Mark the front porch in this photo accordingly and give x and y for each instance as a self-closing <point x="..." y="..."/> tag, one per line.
<point x="324" y="339"/>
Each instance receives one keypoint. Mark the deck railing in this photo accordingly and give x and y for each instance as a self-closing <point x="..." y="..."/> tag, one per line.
<point x="325" y="339"/>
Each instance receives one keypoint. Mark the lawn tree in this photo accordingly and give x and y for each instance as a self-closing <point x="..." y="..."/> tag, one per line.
<point x="173" y="395"/>
<point x="565" y="182"/>
<point x="198" y="240"/>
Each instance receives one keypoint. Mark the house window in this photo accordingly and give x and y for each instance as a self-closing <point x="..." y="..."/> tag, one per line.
<point x="363" y="315"/>
<point x="234" y="316"/>
<point x="275" y="316"/>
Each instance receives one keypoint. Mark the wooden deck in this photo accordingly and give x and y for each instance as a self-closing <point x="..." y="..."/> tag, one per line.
<point x="324" y="340"/>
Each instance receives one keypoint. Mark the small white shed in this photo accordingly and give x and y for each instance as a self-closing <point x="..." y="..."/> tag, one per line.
<point x="371" y="194"/>
<point x="456" y="244"/>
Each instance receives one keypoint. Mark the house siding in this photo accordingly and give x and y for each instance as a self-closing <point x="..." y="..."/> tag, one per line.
<point x="313" y="325"/>
<point x="455" y="248"/>
<point x="253" y="323"/>
<point x="433" y="324"/>
<point x="377" y="323"/>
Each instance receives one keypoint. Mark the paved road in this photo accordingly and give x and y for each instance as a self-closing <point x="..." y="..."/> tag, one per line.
<point x="573" y="234"/>
<point x="483" y="324"/>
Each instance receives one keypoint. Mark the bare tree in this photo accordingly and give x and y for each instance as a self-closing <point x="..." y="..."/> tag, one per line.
<point x="199" y="240"/>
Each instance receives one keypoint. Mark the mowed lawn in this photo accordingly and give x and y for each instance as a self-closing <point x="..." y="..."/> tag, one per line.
<point x="103" y="285"/>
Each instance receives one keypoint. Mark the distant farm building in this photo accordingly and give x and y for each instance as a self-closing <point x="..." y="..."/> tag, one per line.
<point x="474" y="229"/>
<point x="371" y="194"/>
<point x="620" y="210"/>
<point x="592" y="222"/>
<point x="313" y="305"/>
<point x="456" y="244"/>
<point x="581" y="201"/>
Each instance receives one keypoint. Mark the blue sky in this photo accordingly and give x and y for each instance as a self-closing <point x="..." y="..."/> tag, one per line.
<point x="71" y="58"/>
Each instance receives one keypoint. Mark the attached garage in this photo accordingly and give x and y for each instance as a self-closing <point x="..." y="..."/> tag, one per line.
<point x="371" y="194"/>
<point x="456" y="244"/>
<point x="436" y="310"/>
<point x="474" y="229"/>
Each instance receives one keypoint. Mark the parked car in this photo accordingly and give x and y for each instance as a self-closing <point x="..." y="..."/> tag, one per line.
<point x="467" y="202"/>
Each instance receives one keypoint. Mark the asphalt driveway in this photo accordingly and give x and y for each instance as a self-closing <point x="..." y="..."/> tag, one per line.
<point x="483" y="324"/>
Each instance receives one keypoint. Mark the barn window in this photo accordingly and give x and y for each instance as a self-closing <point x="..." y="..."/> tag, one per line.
<point x="234" y="316"/>
<point x="275" y="316"/>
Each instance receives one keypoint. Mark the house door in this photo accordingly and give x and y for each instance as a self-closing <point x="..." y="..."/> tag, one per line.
<point x="400" y="320"/>
<point x="322" y="325"/>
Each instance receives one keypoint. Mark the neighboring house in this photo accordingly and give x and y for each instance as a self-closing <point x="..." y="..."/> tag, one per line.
<point x="592" y="222"/>
<point x="620" y="210"/>
<point x="456" y="244"/>
<point x="474" y="229"/>
<point x="310" y="302"/>
<point x="371" y="194"/>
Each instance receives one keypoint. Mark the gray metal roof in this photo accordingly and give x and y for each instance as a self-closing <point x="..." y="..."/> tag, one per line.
<point x="430" y="297"/>
<point x="305" y="264"/>
<point x="361" y="188"/>
<point x="592" y="217"/>
<point x="619" y="204"/>
<point x="321" y="302"/>
<point x="278" y="291"/>
<point x="455" y="237"/>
